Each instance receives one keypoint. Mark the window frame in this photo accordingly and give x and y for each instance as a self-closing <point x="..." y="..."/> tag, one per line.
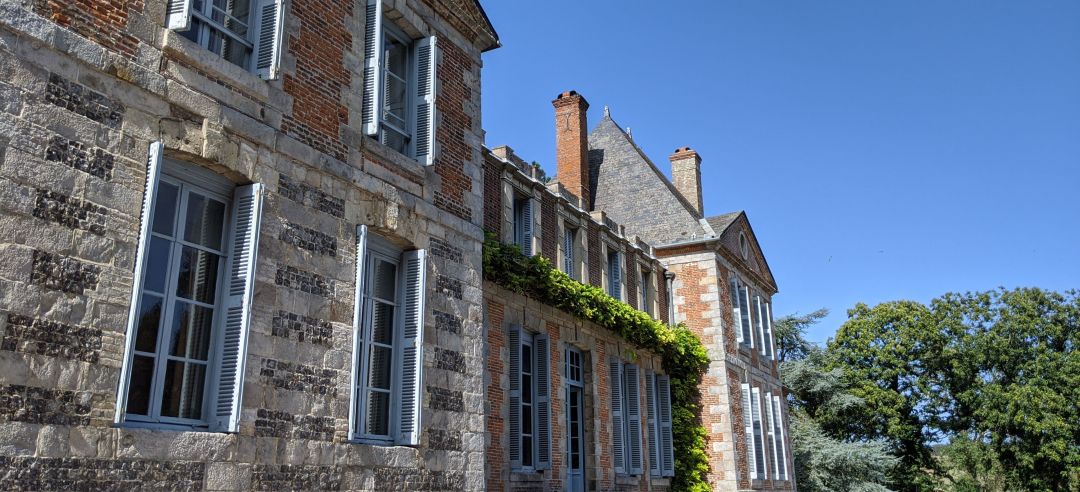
<point x="521" y="220"/>
<point x="645" y="299"/>
<point x="187" y="178"/>
<point x="614" y="273"/>
<point x="207" y="24"/>
<point x="409" y="132"/>
<point x="569" y="246"/>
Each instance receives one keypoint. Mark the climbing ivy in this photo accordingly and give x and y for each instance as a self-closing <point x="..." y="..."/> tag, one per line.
<point x="685" y="358"/>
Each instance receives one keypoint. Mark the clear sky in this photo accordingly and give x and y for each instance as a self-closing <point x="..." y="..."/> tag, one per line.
<point x="882" y="149"/>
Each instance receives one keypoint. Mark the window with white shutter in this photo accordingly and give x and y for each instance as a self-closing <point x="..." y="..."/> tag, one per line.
<point x="667" y="441"/>
<point x="652" y="424"/>
<point x="736" y="313"/>
<point x="523" y="224"/>
<point x="400" y="87"/>
<point x="770" y="343"/>
<point x="759" y="325"/>
<point x="632" y="387"/>
<point x="744" y="310"/>
<point x="748" y="432"/>
<point x="760" y="450"/>
<point x="247" y="33"/>
<point x="769" y="435"/>
<point x="530" y="400"/>
<point x="569" y="242"/>
<point x="618" y="425"/>
<point x="194" y="276"/>
<point x="778" y="432"/>
<point x="614" y="271"/>
<point x="388" y="327"/>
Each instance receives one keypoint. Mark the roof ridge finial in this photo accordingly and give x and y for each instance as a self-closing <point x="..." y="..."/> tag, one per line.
<point x="607" y="112"/>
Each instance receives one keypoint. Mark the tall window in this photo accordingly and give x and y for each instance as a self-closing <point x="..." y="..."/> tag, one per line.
<point x="530" y="400"/>
<point x="740" y="302"/>
<point x="523" y="224"/>
<point x="569" y="243"/>
<point x="755" y="440"/>
<point x="780" y="447"/>
<point x="764" y="325"/>
<point x="388" y="329"/>
<point x="399" y="87"/>
<point x="614" y="271"/>
<point x="247" y="33"/>
<point x="194" y="279"/>
<point x="645" y="291"/>
<point x="624" y="381"/>
<point x="658" y="413"/>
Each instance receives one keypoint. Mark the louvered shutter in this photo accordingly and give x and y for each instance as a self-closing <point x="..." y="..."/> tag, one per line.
<point x="269" y="26"/>
<point x="513" y="343"/>
<point x="781" y="446"/>
<point x="243" y="256"/>
<point x="737" y="317"/>
<point x="359" y="308"/>
<point x="744" y="305"/>
<point x="633" y="417"/>
<point x="543" y="401"/>
<point x="667" y="443"/>
<point x="178" y="15"/>
<point x="766" y="316"/>
<point x="412" y="348"/>
<point x="527" y="227"/>
<point x="426" y="58"/>
<point x="651" y="425"/>
<point x="615" y="274"/>
<point x="153" y="172"/>
<point x="371" y="110"/>
<point x="568" y="252"/>
<point x="759" y="438"/>
<point x="759" y="321"/>
<point x="748" y="428"/>
<point x="618" y="429"/>
<point x="770" y="436"/>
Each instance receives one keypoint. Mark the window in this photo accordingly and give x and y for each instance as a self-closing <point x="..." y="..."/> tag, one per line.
<point x="399" y="87"/>
<point x="658" y="419"/>
<point x="645" y="291"/>
<point x="247" y="33"/>
<point x="614" y="277"/>
<point x="569" y="243"/>
<point x="388" y="322"/>
<point x="755" y="441"/>
<point x="191" y="302"/>
<point x="779" y="445"/>
<point x="764" y="325"/>
<point x="523" y="224"/>
<point x="744" y="246"/>
<point x="530" y="400"/>
<point x="625" y="417"/>
<point x="740" y="302"/>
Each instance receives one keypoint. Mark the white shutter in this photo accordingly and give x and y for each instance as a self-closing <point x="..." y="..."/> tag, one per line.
<point x="748" y="428"/>
<point x="527" y="227"/>
<point x="633" y="417"/>
<point x="513" y="343"/>
<point x="153" y="172"/>
<point x="781" y="446"/>
<point x="651" y="425"/>
<point x="412" y="348"/>
<point x="737" y="317"/>
<point x="178" y="15"/>
<point x="770" y="433"/>
<point x="269" y="26"/>
<point x="243" y="256"/>
<point x="426" y="58"/>
<point x="766" y="315"/>
<point x="543" y="401"/>
<point x="568" y="252"/>
<point x="371" y="108"/>
<point x="615" y="274"/>
<point x="760" y="452"/>
<point x="617" y="428"/>
<point x="744" y="302"/>
<point x="359" y="305"/>
<point x="759" y="321"/>
<point x="667" y="444"/>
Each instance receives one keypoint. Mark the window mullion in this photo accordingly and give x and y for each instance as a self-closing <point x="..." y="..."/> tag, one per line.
<point x="167" y="308"/>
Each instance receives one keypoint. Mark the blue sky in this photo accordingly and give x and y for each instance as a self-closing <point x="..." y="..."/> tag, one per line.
<point x="882" y="149"/>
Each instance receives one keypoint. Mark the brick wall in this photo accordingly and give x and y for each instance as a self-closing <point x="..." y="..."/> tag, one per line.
<point x="105" y="23"/>
<point x="454" y="96"/>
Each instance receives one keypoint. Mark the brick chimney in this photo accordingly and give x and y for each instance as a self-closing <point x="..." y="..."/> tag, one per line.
<point x="572" y="145"/>
<point x="686" y="176"/>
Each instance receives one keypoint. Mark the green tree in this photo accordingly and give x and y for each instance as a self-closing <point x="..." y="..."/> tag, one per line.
<point x="790" y="334"/>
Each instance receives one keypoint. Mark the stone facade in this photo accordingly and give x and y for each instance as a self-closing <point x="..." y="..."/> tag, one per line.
<point x="85" y="88"/>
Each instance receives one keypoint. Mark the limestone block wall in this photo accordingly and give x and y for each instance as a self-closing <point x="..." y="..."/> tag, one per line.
<point x="503" y="309"/>
<point x="84" y="89"/>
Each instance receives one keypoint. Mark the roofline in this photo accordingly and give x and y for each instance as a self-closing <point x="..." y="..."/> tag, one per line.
<point x="491" y="29"/>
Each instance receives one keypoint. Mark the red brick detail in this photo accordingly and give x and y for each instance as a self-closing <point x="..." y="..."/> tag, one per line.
<point x="493" y="197"/>
<point x="631" y="278"/>
<point x="104" y="23"/>
<point x="549" y="230"/>
<point x="496" y="397"/>
<point x="316" y="87"/>
<point x="727" y="313"/>
<point x="592" y="231"/>
<point x="572" y="146"/>
<point x="451" y="101"/>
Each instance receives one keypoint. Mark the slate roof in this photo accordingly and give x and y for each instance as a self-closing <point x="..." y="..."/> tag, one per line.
<point x="720" y="223"/>
<point x="634" y="192"/>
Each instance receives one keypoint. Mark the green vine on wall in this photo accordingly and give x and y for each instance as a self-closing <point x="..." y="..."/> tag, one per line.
<point x="685" y="358"/>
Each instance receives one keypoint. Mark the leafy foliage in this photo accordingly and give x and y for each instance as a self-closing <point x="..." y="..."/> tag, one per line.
<point x="685" y="358"/>
<point x="790" y="334"/>
<point x="824" y="463"/>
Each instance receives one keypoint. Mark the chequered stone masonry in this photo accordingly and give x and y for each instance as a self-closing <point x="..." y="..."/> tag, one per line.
<point x="450" y="360"/>
<point x="445" y="399"/>
<point x="302" y="328"/>
<point x="62" y="209"/>
<point x="296" y="477"/>
<point x="447" y="322"/>
<point x="62" y="273"/>
<point x="299" y="377"/>
<point x="309" y="239"/>
<point x="44" y="337"/>
<point x="34" y="473"/>
<point x="409" y="480"/>
<point x="44" y="406"/>
<point x="93" y="161"/>
<point x="304" y="281"/>
<point x="448" y="286"/>
<point x="79" y="99"/>
<point x="304" y="194"/>
<point x="283" y="424"/>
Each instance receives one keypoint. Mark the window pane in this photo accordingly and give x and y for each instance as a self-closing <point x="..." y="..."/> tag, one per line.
<point x="204" y="221"/>
<point x="165" y="206"/>
<point x="394" y="139"/>
<point x="183" y="392"/>
<point x="378" y="415"/>
<point x="142" y="377"/>
<point x="190" y="334"/>
<point x="385" y="280"/>
<point x="157" y="264"/>
<point x="379" y="368"/>
<point x="198" y="275"/>
<point x="526" y="450"/>
<point x="149" y="321"/>
<point x="382" y="323"/>
<point x="395" y="107"/>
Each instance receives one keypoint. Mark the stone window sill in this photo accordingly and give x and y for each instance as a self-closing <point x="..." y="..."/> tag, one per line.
<point x="627" y="479"/>
<point x="526" y="476"/>
<point x="216" y="66"/>
<point x="391" y="156"/>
